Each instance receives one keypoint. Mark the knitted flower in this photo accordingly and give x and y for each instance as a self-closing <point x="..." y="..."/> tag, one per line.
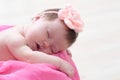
<point x="71" y="18"/>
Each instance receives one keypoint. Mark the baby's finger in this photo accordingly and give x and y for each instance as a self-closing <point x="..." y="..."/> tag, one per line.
<point x="70" y="73"/>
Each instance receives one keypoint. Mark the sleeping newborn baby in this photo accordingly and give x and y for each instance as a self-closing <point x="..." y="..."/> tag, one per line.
<point x="49" y="32"/>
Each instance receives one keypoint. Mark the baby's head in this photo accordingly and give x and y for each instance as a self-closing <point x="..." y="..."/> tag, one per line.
<point x="62" y="27"/>
<point x="52" y="14"/>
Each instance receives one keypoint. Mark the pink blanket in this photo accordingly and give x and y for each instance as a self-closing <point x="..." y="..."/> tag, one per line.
<point x="16" y="70"/>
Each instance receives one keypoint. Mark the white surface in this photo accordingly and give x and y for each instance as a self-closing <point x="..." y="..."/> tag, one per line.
<point x="97" y="50"/>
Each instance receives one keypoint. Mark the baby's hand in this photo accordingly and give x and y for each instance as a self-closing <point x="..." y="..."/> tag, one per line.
<point x="66" y="68"/>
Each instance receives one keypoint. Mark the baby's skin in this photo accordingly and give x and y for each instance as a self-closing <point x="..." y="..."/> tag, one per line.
<point x="35" y="42"/>
<point x="13" y="47"/>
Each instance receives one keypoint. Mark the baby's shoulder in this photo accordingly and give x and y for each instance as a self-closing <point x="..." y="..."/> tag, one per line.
<point x="15" y="40"/>
<point x="12" y="36"/>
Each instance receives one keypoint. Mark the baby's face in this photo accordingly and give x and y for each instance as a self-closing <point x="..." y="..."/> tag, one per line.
<point x="47" y="36"/>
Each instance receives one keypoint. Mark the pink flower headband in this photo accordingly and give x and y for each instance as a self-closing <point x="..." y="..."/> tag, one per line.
<point x="71" y="18"/>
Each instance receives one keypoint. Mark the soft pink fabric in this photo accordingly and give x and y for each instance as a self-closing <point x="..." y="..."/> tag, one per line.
<point x="4" y="27"/>
<point x="17" y="70"/>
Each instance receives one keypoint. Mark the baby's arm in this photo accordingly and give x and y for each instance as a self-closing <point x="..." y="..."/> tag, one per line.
<point x="24" y="53"/>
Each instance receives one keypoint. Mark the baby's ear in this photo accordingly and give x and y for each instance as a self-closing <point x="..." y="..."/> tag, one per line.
<point x="35" y="18"/>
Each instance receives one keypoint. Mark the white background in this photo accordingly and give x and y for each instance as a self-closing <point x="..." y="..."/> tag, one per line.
<point x="97" y="50"/>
